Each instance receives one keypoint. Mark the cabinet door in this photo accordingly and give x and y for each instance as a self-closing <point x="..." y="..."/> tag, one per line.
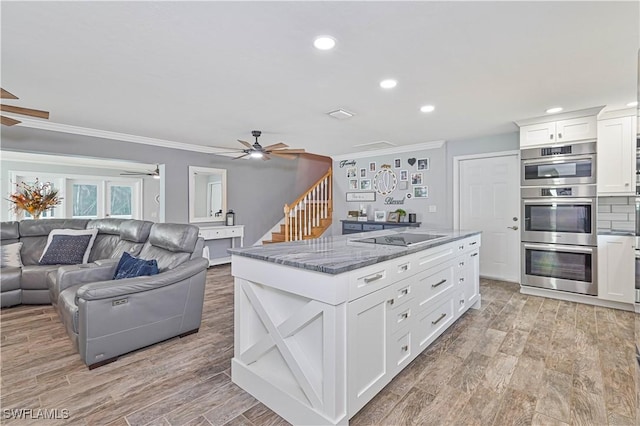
<point x="472" y="283"/>
<point x="576" y="129"/>
<point x="537" y="134"/>
<point x="616" y="156"/>
<point x="367" y="365"/>
<point x="616" y="268"/>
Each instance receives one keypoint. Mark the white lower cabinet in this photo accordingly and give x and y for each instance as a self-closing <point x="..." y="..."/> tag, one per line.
<point x="616" y="268"/>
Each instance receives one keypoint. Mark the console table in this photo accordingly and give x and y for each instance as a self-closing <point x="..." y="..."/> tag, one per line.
<point x="219" y="233"/>
<point x="354" y="226"/>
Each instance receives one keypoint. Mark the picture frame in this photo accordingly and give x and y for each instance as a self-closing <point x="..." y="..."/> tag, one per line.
<point x="421" y="192"/>
<point x="379" y="216"/>
<point x="353" y="183"/>
<point x="360" y="196"/>
<point x="363" y="173"/>
<point x="353" y="214"/>
<point x="423" y="164"/>
<point x="416" y="178"/>
<point x="393" y="217"/>
<point x="351" y="172"/>
<point x="404" y="175"/>
<point x="397" y="163"/>
<point x="372" y="166"/>
<point x="365" y="184"/>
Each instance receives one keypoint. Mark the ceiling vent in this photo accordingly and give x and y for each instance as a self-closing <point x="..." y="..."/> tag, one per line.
<point x="340" y="114"/>
<point x="375" y="145"/>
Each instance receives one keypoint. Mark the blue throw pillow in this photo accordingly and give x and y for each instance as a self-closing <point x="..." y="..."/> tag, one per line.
<point x="66" y="250"/>
<point x="131" y="267"/>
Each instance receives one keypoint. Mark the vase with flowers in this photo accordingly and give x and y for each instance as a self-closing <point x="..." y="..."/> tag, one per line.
<point x="35" y="198"/>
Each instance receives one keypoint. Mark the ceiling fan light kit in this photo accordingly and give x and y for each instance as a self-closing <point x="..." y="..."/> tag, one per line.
<point x="257" y="151"/>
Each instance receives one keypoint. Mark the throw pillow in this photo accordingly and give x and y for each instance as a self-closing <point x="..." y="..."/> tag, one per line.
<point x="10" y="256"/>
<point x="131" y="267"/>
<point x="68" y="250"/>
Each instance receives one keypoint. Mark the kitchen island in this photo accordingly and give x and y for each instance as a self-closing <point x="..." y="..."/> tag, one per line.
<point x="321" y="326"/>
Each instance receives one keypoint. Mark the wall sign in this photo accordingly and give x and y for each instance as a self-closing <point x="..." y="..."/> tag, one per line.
<point x="361" y="196"/>
<point x="385" y="180"/>
<point x="391" y="200"/>
<point x="347" y="163"/>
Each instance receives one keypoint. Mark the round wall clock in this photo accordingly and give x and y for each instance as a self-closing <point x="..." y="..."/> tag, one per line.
<point x="385" y="181"/>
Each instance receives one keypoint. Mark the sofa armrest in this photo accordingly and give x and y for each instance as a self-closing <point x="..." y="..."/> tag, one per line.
<point x="116" y="288"/>
<point x="85" y="273"/>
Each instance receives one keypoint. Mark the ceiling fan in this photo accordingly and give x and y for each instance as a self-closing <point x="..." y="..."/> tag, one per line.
<point x="258" y="151"/>
<point x="8" y="121"/>
<point x="155" y="174"/>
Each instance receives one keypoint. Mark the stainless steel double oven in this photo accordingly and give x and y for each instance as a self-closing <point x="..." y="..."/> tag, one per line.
<point x="559" y="210"/>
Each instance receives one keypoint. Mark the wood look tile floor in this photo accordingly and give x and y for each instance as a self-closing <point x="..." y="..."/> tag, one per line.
<point x="519" y="360"/>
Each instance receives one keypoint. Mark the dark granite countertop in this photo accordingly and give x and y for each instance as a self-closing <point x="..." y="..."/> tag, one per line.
<point x="338" y="254"/>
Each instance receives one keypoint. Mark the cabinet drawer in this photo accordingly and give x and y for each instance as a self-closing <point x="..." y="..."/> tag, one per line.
<point x="400" y="351"/>
<point x="218" y="233"/>
<point x="432" y="323"/>
<point x="366" y="280"/>
<point x="370" y="227"/>
<point x="400" y="317"/>
<point x="460" y="270"/>
<point x="352" y="226"/>
<point x="430" y="284"/>
<point x="435" y="256"/>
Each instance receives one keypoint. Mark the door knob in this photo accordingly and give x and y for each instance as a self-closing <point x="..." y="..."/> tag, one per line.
<point x="515" y="228"/>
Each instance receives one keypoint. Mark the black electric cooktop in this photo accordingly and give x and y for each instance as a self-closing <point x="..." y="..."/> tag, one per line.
<point x="404" y="239"/>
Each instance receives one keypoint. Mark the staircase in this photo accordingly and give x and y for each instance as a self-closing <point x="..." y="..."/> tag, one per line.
<point x="308" y="216"/>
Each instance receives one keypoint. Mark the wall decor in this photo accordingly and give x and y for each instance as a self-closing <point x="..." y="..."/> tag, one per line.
<point x="353" y="213"/>
<point x="411" y="161"/>
<point x="421" y="191"/>
<point x="391" y="200"/>
<point x="379" y="215"/>
<point x="361" y="196"/>
<point x="423" y="164"/>
<point x="372" y="166"/>
<point x="416" y="178"/>
<point x="365" y="184"/>
<point x="385" y="180"/>
<point x="353" y="183"/>
<point x="397" y="163"/>
<point x="393" y="217"/>
<point x="363" y="173"/>
<point x="351" y="172"/>
<point x="409" y="195"/>
<point x="403" y="184"/>
<point x="404" y="175"/>
<point x="344" y="163"/>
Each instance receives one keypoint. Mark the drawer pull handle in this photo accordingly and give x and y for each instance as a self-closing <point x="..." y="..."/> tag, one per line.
<point x="404" y="267"/>
<point x="474" y="254"/>
<point x="438" y="284"/>
<point x="461" y="280"/>
<point x="390" y="301"/>
<point x="374" y="278"/>
<point x="462" y="301"/>
<point x="473" y="243"/>
<point x="439" y="319"/>
<point x="461" y="264"/>
<point x="460" y="247"/>
<point x="404" y="291"/>
<point x="405" y="348"/>
<point x="404" y="316"/>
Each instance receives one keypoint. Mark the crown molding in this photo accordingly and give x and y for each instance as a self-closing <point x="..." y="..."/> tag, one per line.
<point x="387" y="151"/>
<point x="105" y="134"/>
<point x="561" y="116"/>
<point x="101" y="163"/>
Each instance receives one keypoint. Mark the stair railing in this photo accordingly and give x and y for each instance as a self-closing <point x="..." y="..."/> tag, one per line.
<point x="307" y="212"/>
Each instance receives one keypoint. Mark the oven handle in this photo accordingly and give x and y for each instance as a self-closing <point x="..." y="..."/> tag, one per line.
<point x="566" y="200"/>
<point x="558" y="247"/>
<point x="550" y="160"/>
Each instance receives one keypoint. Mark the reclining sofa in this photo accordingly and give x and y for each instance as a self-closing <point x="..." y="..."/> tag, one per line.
<point x="106" y="318"/>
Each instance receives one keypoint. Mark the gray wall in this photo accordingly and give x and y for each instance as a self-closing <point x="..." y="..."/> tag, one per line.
<point x="256" y="190"/>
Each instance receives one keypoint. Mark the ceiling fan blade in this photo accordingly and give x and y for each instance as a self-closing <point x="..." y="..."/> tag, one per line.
<point x="276" y="146"/>
<point x="243" y="155"/>
<point x="290" y="151"/>
<point x="265" y="157"/>
<point x="6" y="95"/>
<point x="9" y="121"/>
<point x="25" y="111"/>
<point x="247" y="144"/>
<point x="287" y="156"/>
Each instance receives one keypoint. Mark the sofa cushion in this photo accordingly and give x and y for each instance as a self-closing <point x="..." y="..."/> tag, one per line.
<point x="34" y="277"/>
<point x="68" y="246"/>
<point x="170" y="244"/>
<point x="131" y="267"/>
<point x="10" y="279"/>
<point x="10" y="255"/>
<point x="34" y="234"/>
<point x="9" y="232"/>
<point x="68" y="309"/>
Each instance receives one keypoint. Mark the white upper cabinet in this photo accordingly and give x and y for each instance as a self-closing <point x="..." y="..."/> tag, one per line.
<point x="556" y="132"/>
<point x="537" y="134"/>
<point x="617" y="156"/>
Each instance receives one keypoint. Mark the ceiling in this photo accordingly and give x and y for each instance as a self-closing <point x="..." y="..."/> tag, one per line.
<point x="207" y="73"/>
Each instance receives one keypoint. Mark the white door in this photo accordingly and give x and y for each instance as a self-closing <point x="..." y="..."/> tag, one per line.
<point x="489" y="201"/>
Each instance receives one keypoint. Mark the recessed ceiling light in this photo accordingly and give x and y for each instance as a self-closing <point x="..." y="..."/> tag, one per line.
<point x="388" y="84"/>
<point x="324" y="43"/>
<point x="554" y="110"/>
<point x="427" y="108"/>
<point x="632" y="104"/>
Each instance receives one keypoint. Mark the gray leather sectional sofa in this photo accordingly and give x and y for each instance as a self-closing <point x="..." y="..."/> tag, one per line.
<point x="106" y="318"/>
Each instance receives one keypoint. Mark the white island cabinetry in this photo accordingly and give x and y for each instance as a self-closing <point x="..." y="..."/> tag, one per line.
<point x="316" y="347"/>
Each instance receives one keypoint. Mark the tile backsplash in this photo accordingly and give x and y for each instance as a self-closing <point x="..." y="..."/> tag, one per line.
<point x="616" y="214"/>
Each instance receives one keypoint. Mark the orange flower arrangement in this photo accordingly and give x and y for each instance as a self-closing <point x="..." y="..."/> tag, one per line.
<point x="34" y="199"/>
